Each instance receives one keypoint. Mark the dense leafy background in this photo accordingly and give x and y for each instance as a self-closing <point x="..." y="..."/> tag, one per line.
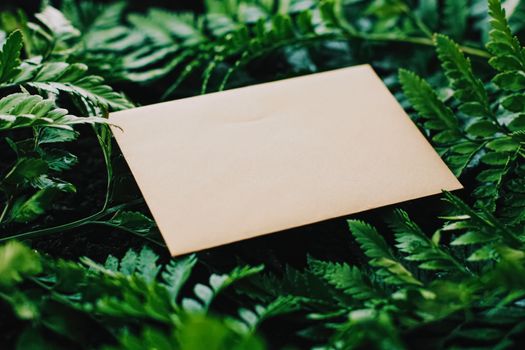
<point x="100" y="276"/>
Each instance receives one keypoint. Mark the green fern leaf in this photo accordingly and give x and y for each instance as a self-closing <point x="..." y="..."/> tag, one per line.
<point x="168" y="28"/>
<point x="251" y="320"/>
<point x="25" y="110"/>
<point x="492" y="180"/>
<point x="57" y="24"/>
<point x="455" y="15"/>
<point x="508" y="55"/>
<point x="350" y="279"/>
<point x="74" y="79"/>
<point x="128" y="264"/>
<point x="412" y="241"/>
<point x="151" y="28"/>
<point x="57" y="77"/>
<point x="16" y="262"/>
<point x="10" y="57"/>
<point x="513" y="208"/>
<point x="467" y="87"/>
<point x="427" y="103"/>
<point x="480" y="226"/>
<point x="90" y="17"/>
<point x="143" y="265"/>
<point x="133" y="222"/>
<point x="376" y="248"/>
<point x="28" y="209"/>
<point x="217" y="283"/>
<point x="147" y="266"/>
<point x="177" y="273"/>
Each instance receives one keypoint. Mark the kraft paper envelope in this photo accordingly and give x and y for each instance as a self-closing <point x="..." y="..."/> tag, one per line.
<point x="232" y="165"/>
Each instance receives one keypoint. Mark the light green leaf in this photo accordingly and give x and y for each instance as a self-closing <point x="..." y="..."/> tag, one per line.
<point x="10" y="57"/>
<point x="177" y="273"/>
<point x="133" y="221"/>
<point x="425" y="100"/>
<point x="26" y="210"/>
<point x="16" y="262"/>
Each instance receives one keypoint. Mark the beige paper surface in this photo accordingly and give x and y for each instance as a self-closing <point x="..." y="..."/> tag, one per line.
<point x="245" y="162"/>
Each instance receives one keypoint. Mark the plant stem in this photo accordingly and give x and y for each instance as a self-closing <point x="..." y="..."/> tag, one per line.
<point x="4" y="211"/>
<point x="473" y="51"/>
<point x="70" y="225"/>
<point x="351" y="33"/>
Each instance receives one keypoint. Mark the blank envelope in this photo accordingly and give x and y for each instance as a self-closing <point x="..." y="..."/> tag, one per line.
<point x="231" y="165"/>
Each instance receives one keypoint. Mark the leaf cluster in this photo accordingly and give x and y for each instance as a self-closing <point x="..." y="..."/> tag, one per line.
<point x="60" y="300"/>
<point x="461" y="284"/>
<point x="481" y="129"/>
<point x="34" y="127"/>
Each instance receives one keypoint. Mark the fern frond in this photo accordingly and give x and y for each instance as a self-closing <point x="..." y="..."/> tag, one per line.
<point x="349" y="279"/>
<point x="513" y="208"/>
<point x="427" y="103"/>
<point x="251" y="320"/>
<point x="439" y="118"/>
<point x="480" y="228"/>
<point x="467" y="87"/>
<point x="144" y="264"/>
<point x="168" y="28"/>
<point x="57" y="77"/>
<point x="367" y="326"/>
<point x="132" y="221"/>
<point x="56" y="23"/>
<point x="147" y="266"/>
<point x="381" y="257"/>
<point x="217" y="283"/>
<point x="73" y="79"/>
<point x="455" y="16"/>
<point x="303" y="284"/>
<point x="508" y="55"/>
<point x="91" y="17"/>
<point x="239" y="44"/>
<point x="418" y="247"/>
<point x="10" y="57"/>
<point x="492" y="180"/>
<point x="177" y="273"/>
<point x="24" y="110"/>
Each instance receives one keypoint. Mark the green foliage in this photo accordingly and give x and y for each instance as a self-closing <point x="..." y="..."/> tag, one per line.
<point x="123" y="293"/>
<point x="455" y="15"/>
<point x="455" y="283"/>
<point x="219" y="46"/>
<point x="55" y="77"/>
<point x="31" y="185"/>
<point x="349" y="279"/>
<point x="206" y="294"/>
<point x="232" y="41"/>
<point x="21" y="110"/>
<point x="386" y="307"/>
<point x="14" y="254"/>
<point x="375" y="247"/>
<point x="420" y="248"/>
<point x="428" y="104"/>
<point x="508" y="55"/>
<point x="10" y="57"/>
<point x="468" y="89"/>
<point x="480" y="130"/>
<point x="72" y="79"/>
